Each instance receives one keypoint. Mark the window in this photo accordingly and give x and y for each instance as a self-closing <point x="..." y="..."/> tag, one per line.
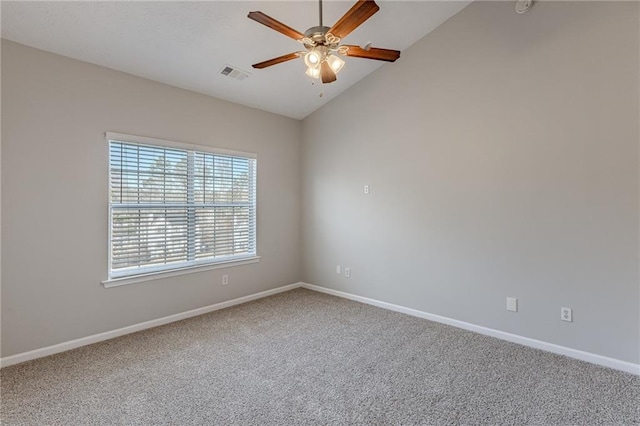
<point x="174" y="206"/>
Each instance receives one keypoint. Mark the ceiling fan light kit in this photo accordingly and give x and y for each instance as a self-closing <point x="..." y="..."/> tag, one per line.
<point x="322" y="43"/>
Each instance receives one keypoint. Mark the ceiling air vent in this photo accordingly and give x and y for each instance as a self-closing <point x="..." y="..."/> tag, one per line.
<point x="234" y="72"/>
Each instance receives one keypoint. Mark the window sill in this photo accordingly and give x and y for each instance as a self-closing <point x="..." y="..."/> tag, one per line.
<point x="116" y="282"/>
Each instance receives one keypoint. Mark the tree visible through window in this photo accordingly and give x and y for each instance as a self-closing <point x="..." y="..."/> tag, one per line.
<point x="172" y="208"/>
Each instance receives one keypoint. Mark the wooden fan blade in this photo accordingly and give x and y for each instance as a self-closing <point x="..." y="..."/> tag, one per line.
<point x="360" y="12"/>
<point x="275" y="61"/>
<point x="373" y="53"/>
<point x="275" y="25"/>
<point x="326" y="73"/>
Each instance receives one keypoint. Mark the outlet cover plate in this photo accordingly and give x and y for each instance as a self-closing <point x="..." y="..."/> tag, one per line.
<point x="512" y="304"/>
<point x="566" y="314"/>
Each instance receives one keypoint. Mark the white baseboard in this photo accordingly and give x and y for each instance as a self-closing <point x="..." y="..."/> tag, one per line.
<point x="538" y="344"/>
<point x="72" y="344"/>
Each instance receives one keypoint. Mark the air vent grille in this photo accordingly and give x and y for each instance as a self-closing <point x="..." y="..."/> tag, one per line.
<point x="234" y="72"/>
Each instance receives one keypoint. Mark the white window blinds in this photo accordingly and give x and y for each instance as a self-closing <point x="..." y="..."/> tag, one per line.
<point x="172" y="208"/>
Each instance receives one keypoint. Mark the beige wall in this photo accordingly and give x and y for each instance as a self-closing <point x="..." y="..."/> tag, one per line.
<point x="55" y="111"/>
<point x="502" y="155"/>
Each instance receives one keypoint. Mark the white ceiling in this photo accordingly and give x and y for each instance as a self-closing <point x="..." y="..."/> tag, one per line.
<point x="186" y="44"/>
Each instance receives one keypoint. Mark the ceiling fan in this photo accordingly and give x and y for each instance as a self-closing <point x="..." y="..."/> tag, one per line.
<point x="323" y="43"/>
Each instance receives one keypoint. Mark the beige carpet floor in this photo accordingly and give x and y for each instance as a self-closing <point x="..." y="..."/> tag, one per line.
<point x="303" y="357"/>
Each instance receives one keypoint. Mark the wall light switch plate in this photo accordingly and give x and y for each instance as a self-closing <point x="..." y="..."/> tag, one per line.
<point x="338" y="271"/>
<point x="512" y="304"/>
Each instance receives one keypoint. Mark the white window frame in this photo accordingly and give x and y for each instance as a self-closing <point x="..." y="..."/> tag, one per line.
<point x="116" y="278"/>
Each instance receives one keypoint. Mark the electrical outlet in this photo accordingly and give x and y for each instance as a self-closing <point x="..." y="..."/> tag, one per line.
<point x="225" y="279"/>
<point x="366" y="189"/>
<point x="512" y="304"/>
<point x="347" y="272"/>
<point x="338" y="271"/>
<point x="566" y="314"/>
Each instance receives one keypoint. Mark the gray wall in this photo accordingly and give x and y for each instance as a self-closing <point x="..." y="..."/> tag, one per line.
<point x="502" y="155"/>
<point x="55" y="111"/>
<point x="501" y="151"/>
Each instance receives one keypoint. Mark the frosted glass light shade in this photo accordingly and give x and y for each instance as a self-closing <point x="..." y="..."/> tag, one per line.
<point x="335" y="63"/>
<point x="313" y="72"/>
<point x="312" y="59"/>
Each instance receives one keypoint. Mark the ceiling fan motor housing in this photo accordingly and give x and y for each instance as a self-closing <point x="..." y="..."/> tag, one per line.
<point x="320" y="36"/>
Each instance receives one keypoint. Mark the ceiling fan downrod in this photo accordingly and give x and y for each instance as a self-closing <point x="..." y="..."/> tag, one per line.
<point x="320" y="36"/>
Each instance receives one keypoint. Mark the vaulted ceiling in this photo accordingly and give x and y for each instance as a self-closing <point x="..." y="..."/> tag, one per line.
<point x="187" y="44"/>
